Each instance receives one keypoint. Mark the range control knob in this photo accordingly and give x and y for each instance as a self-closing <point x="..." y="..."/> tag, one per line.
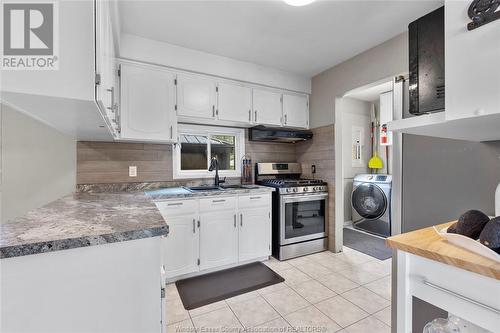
<point x="287" y="190"/>
<point x="315" y="189"/>
<point x="306" y="189"/>
<point x="295" y="189"/>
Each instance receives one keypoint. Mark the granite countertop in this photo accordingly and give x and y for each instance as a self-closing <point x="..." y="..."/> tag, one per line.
<point x="180" y="192"/>
<point x="82" y="219"/>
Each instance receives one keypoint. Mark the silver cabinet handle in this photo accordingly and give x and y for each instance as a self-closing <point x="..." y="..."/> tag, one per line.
<point x="198" y="223"/>
<point x="171" y="132"/>
<point x="175" y="204"/>
<point x="255" y="116"/>
<point x="112" y="91"/>
<point x="235" y="220"/>
<point x="467" y="299"/>
<point x="253" y="198"/>
<point x="249" y="115"/>
<point x="213" y="111"/>
<point x="241" y="220"/>
<point x="221" y="200"/>
<point x="194" y="226"/>
<point x="285" y="119"/>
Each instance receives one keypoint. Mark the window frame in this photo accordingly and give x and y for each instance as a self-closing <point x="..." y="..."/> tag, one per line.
<point x="239" y="147"/>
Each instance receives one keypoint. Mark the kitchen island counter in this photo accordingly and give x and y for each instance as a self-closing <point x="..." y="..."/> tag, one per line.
<point x="461" y="282"/>
<point x="428" y="244"/>
<point x="80" y="220"/>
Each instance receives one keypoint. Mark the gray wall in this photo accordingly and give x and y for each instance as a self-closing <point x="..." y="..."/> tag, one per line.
<point x="383" y="61"/>
<point x="38" y="164"/>
<point x="443" y="178"/>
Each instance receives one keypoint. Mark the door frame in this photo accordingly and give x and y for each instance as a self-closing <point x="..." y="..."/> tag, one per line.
<point x="396" y="211"/>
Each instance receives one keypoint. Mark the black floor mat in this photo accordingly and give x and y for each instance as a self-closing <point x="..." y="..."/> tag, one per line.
<point x="213" y="287"/>
<point x="368" y="244"/>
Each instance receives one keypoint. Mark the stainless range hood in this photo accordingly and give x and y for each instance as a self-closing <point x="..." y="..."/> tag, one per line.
<point x="268" y="134"/>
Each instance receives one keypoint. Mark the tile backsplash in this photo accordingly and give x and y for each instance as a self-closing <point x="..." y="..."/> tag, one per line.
<point x="108" y="162"/>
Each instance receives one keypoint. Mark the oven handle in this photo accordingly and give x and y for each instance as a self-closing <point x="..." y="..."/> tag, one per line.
<point x="304" y="197"/>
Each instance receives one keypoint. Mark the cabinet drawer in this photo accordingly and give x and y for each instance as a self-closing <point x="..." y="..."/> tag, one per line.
<point x="177" y="207"/>
<point x="468" y="295"/>
<point x="224" y="203"/>
<point x="255" y="200"/>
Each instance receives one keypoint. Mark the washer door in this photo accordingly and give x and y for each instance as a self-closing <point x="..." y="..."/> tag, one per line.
<point x="369" y="201"/>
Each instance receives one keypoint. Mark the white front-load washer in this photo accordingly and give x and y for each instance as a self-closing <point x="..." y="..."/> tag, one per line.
<point x="371" y="203"/>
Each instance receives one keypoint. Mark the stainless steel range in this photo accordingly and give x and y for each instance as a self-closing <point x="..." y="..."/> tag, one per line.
<point x="300" y="208"/>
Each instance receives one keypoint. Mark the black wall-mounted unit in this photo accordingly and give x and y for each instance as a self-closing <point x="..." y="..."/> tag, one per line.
<point x="426" y="50"/>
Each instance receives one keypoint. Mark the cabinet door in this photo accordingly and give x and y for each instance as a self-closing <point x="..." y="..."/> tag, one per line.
<point x="106" y="89"/>
<point x="147" y="104"/>
<point x="235" y="103"/>
<point x="218" y="239"/>
<point x="196" y="97"/>
<point x="254" y="233"/>
<point x="267" y="108"/>
<point x="295" y="111"/>
<point x="181" y="246"/>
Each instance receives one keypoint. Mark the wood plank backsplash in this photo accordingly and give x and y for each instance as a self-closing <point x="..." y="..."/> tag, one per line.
<point x="108" y="162"/>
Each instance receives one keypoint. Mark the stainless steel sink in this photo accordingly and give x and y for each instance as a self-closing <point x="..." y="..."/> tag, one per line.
<point x="239" y="186"/>
<point x="203" y="188"/>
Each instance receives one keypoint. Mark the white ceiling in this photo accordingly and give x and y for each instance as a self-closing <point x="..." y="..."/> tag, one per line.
<point x="303" y="40"/>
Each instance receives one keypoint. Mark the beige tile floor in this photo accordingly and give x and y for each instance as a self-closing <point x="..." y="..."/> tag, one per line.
<point x="324" y="292"/>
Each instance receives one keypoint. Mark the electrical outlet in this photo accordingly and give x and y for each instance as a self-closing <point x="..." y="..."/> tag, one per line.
<point x="132" y="171"/>
<point x="313" y="168"/>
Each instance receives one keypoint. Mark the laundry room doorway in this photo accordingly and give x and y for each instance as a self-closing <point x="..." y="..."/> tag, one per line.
<point x="368" y="164"/>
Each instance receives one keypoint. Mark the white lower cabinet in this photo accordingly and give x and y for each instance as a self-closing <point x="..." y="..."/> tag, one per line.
<point x="218" y="239"/>
<point x="215" y="232"/>
<point x="183" y="234"/>
<point x="254" y="233"/>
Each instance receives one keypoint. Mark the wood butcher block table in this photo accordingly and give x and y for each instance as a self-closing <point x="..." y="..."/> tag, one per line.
<point x="452" y="278"/>
<point x="428" y="244"/>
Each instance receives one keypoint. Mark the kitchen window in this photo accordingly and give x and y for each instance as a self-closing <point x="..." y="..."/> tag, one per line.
<point x="198" y="144"/>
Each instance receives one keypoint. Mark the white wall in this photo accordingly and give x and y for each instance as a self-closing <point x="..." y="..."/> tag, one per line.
<point x="38" y="163"/>
<point x="355" y="113"/>
<point x="160" y="53"/>
<point x="383" y="61"/>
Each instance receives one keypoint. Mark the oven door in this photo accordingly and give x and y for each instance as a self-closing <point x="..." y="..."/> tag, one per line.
<point x="302" y="217"/>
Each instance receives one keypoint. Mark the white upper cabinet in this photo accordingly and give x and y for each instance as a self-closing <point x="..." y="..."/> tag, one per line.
<point x="471" y="64"/>
<point x="235" y="103"/>
<point x="472" y="80"/>
<point x="267" y="108"/>
<point x="196" y="97"/>
<point x="295" y="111"/>
<point x="147" y="111"/>
<point x="107" y="83"/>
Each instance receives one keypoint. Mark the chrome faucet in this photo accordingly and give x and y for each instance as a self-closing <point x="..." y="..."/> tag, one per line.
<point x="214" y="165"/>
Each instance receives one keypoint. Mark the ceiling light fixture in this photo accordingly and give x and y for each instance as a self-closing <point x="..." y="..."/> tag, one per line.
<point x="298" y="3"/>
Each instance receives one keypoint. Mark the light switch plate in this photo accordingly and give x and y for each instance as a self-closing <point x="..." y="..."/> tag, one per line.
<point x="132" y="171"/>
